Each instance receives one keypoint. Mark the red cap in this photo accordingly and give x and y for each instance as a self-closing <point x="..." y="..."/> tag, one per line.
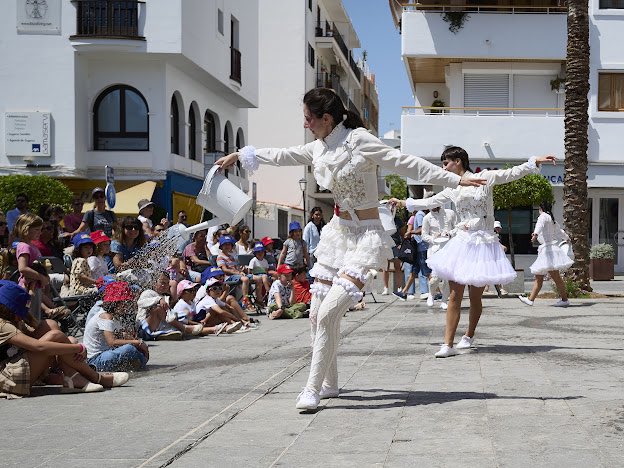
<point x="98" y="237"/>
<point x="118" y="291"/>
<point x="266" y="241"/>
<point x="284" y="269"/>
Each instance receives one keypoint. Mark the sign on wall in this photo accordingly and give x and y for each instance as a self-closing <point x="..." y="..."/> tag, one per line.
<point x="38" y="16"/>
<point x="27" y="133"/>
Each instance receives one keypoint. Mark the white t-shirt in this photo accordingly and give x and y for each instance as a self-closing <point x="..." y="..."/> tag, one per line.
<point x="98" y="266"/>
<point x="93" y="338"/>
<point x="208" y="303"/>
<point x="184" y="311"/>
<point x="284" y="292"/>
<point x="258" y="266"/>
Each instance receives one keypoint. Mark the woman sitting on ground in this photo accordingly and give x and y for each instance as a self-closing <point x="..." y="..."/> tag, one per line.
<point x="127" y="242"/>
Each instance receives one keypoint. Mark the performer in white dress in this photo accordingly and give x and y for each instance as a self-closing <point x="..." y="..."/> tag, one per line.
<point x="437" y="227"/>
<point x="550" y="258"/>
<point x="344" y="157"/>
<point x="473" y="256"/>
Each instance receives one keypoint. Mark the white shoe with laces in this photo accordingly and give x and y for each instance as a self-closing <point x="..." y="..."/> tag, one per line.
<point x="327" y="392"/>
<point x="307" y="400"/>
<point x="526" y="300"/>
<point x="465" y="342"/>
<point x="446" y="351"/>
<point x="561" y="303"/>
<point x="385" y="292"/>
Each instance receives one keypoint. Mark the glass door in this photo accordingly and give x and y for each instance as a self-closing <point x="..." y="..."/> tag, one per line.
<point x="608" y="223"/>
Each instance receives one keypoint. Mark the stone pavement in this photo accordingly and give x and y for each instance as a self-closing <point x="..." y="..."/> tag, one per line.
<point x="543" y="388"/>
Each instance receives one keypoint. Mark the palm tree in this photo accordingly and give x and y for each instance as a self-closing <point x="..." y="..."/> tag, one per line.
<point x="575" y="209"/>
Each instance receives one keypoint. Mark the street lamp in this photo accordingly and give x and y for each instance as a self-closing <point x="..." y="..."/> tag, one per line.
<point x="303" y="182"/>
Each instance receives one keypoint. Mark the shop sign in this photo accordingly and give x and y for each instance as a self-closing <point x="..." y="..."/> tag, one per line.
<point x="27" y="133"/>
<point x="38" y="16"/>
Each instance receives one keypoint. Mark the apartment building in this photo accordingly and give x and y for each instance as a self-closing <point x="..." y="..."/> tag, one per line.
<point x="302" y="44"/>
<point x="155" y="90"/>
<point x="487" y="77"/>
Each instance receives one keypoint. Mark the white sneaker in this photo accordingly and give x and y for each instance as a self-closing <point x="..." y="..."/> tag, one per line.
<point x="430" y="301"/>
<point x="443" y="305"/>
<point x="464" y="343"/>
<point x="385" y="292"/>
<point x="411" y="297"/>
<point x="307" y="400"/>
<point x="446" y="351"/>
<point x="561" y="303"/>
<point x="526" y="300"/>
<point x="424" y="296"/>
<point x="327" y="392"/>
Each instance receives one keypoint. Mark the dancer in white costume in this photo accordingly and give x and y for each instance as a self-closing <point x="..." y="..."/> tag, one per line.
<point x="550" y="258"/>
<point x="473" y="256"/>
<point x="345" y="157"/>
<point x="438" y="225"/>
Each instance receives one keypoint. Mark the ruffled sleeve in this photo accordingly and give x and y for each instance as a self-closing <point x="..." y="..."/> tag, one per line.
<point x="406" y="165"/>
<point x="251" y="157"/>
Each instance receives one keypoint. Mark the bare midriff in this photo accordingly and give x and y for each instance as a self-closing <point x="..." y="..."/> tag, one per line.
<point x="369" y="213"/>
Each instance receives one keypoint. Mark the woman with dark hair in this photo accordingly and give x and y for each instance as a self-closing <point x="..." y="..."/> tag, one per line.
<point x="354" y="244"/>
<point x="128" y="241"/>
<point x="473" y="256"/>
<point x="312" y="232"/>
<point x="550" y="258"/>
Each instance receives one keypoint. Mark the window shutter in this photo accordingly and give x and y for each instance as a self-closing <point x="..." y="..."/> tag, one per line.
<point x="486" y="90"/>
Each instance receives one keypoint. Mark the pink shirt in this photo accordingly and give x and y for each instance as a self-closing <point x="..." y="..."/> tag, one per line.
<point x="33" y="254"/>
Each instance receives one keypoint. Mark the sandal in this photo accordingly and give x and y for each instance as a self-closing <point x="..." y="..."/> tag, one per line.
<point x="119" y="378"/>
<point x="88" y="388"/>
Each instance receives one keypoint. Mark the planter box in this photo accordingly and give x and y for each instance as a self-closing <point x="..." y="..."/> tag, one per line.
<point x="517" y="285"/>
<point x="601" y="269"/>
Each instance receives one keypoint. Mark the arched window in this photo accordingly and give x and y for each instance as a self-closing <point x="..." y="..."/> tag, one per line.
<point x="227" y="143"/>
<point x="192" y="134"/>
<point x="210" y="128"/>
<point x="175" y="126"/>
<point x="120" y="120"/>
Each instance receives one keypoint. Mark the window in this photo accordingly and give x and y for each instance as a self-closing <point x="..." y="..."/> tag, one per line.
<point x="486" y="90"/>
<point x="120" y="120"/>
<point x="220" y="21"/>
<point x="611" y="4"/>
<point x="521" y="228"/>
<point x="192" y="147"/>
<point x="611" y="92"/>
<point x="311" y="59"/>
<point x="175" y="126"/>
<point x="210" y="128"/>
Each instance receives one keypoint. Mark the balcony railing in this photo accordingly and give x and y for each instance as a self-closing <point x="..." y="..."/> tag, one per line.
<point x="511" y="9"/>
<point x="108" y="18"/>
<point x="328" y="80"/>
<point x="489" y="111"/>
<point x="235" y="65"/>
<point x="354" y="67"/>
<point x="332" y="31"/>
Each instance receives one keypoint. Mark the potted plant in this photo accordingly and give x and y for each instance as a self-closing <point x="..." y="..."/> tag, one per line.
<point x="601" y="262"/>
<point x="437" y="103"/>
<point x="558" y="85"/>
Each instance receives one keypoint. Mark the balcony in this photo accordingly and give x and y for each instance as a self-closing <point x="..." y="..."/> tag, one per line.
<point x="328" y="80"/>
<point x="109" y="19"/>
<point x="487" y="134"/>
<point x="331" y="31"/>
<point x="235" y="65"/>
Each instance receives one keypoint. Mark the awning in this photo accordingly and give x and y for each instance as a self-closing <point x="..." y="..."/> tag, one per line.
<point x="126" y="203"/>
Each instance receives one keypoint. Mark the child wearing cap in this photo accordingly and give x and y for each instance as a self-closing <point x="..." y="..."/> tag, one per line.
<point x="105" y="351"/>
<point x="100" y="262"/>
<point x="270" y="255"/>
<point x="259" y="266"/>
<point x="295" y="251"/>
<point x="281" y="297"/>
<point x="213" y="311"/>
<point x="81" y="280"/>
<point x="233" y="271"/>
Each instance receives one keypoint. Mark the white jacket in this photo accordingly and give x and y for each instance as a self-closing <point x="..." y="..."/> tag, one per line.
<point x="346" y="161"/>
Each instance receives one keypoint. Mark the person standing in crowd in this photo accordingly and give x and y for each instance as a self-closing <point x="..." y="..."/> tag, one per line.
<point x="473" y="256"/>
<point x="21" y="207"/>
<point x="550" y="258"/>
<point x="146" y="211"/>
<point x="295" y="251"/>
<point x="312" y="232"/>
<point x="99" y="218"/>
<point x="436" y="231"/>
<point x="397" y="237"/>
<point x="71" y="221"/>
<point x="344" y="157"/>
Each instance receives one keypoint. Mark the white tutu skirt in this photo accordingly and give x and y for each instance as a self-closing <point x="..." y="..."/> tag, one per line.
<point x="361" y="245"/>
<point x="475" y="258"/>
<point x="550" y="257"/>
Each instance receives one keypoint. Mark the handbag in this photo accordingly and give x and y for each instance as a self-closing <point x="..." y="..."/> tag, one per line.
<point x="408" y="252"/>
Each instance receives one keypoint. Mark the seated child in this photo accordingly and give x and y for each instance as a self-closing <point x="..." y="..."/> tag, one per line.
<point x="259" y="266"/>
<point x="281" y="296"/>
<point x="100" y="262"/>
<point x="212" y="310"/>
<point x="270" y="256"/>
<point x="301" y="286"/>
<point x="81" y="280"/>
<point x="105" y="351"/>
<point x="233" y="271"/>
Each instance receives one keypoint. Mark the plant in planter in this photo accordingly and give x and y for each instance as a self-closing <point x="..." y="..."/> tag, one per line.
<point x="601" y="262"/>
<point x="437" y="103"/>
<point x="455" y="19"/>
<point x="557" y="84"/>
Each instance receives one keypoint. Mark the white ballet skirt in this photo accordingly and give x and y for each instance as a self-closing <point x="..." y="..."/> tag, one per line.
<point x="347" y="245"/>
<point x="472" y="257"/>
<point x="550" y="257"/>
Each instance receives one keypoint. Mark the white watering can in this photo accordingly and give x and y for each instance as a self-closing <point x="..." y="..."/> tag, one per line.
<point x="386" y="215"/>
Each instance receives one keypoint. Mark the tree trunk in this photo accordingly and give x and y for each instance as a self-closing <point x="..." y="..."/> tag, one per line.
<point x="575" y="209"/>
<point x="511" y="244"/>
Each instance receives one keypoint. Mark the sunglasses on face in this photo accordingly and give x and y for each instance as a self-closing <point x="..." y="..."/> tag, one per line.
<point x="132" y="228"/>
<point x="216" y="288"/>
<point x="158" y="230"/>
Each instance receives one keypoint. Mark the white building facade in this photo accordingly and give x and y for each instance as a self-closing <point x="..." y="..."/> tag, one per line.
<point x="302" y="44"/>
<point x="491" y="86"/>
<point x="152" y="89"/>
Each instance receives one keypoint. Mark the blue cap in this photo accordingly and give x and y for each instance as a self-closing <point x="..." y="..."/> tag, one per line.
<point x="259" y="247"/>
<point x="211" y="272"/>
<point x="82" y="238"/>
<point x="14" y="298"/>
<point x="226" y="240"/>
<point x="294" y="226"/>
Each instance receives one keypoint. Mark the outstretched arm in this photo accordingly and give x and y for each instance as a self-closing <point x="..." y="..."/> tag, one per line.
<point x="251" y="157"/>
<point x="503" y="176"/>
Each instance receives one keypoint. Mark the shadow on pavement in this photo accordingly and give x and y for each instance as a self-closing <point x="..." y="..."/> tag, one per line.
<point x="524" y="349"/>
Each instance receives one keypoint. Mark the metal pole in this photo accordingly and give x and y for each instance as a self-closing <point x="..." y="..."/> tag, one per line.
<point x="253" y="210"/>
